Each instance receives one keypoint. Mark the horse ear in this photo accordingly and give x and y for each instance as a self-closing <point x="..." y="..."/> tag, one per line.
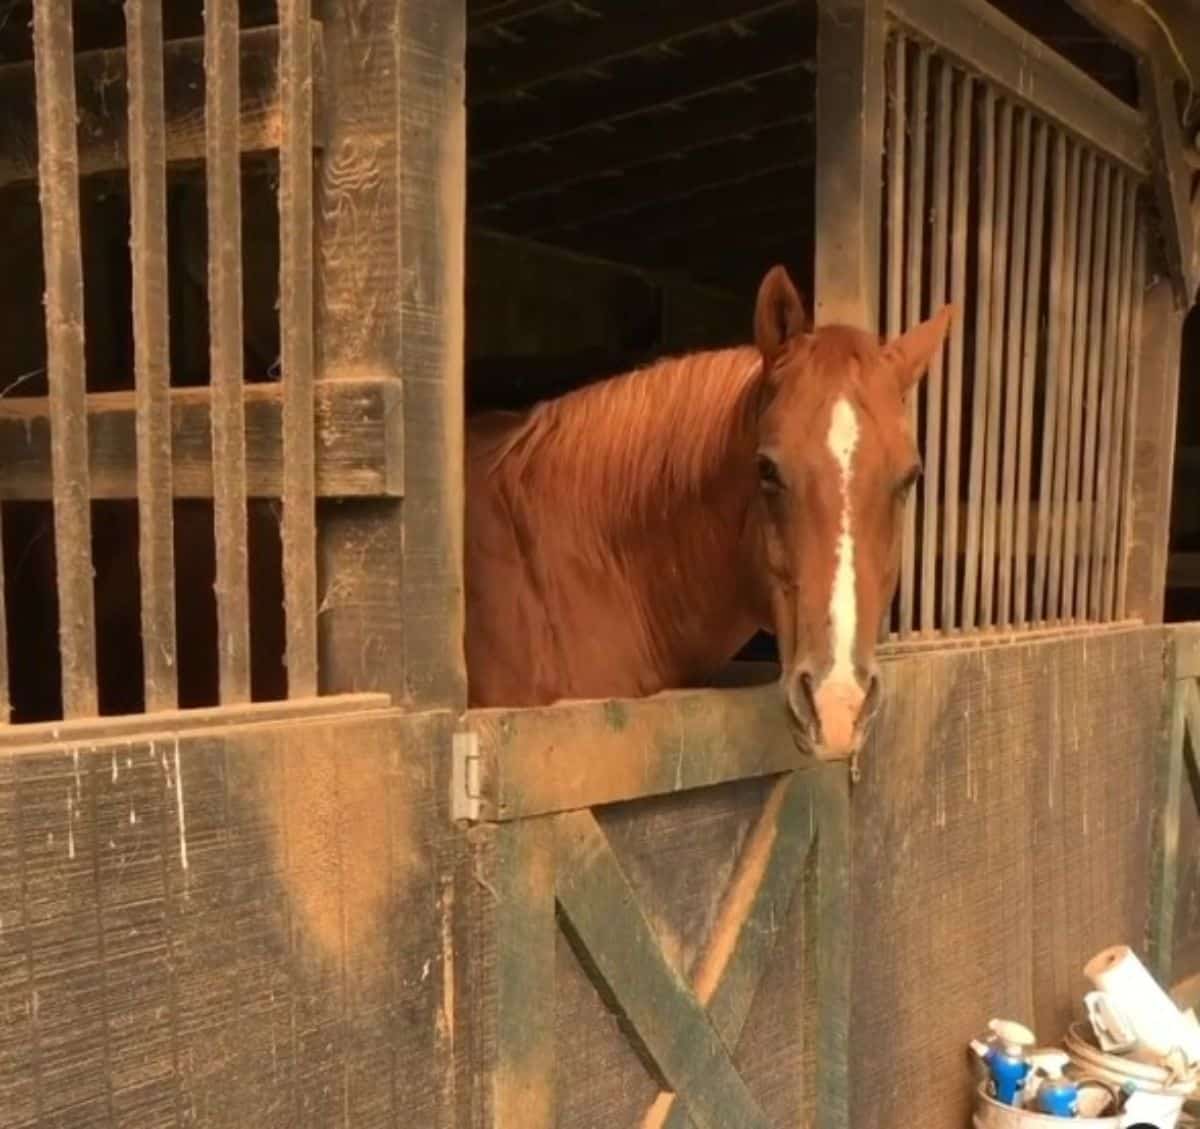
<point x="779" y="314"/>
<point x="912" y="352"/>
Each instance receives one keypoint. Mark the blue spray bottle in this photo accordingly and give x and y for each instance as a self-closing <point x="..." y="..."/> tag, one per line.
<point x="1057" y="1096"/>
<point x="1006" y="1056"/>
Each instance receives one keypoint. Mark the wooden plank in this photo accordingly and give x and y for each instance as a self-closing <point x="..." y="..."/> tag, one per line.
<point x="1091" y="420"/>
<point x="611" y="934"/>
<point x="1055" y="610"/>
<point x="1185" y="638"/>
<point x="935" y="383"/>
<point x="727" y="974"/>
<point x="995" y="363"/>
<point x="98" y="731"/>
<point x="1103" y="569"/>
<point x="1137" y="346"/>
<point x="221" y="59"/>
<point x="850" y="45"/>
<point x="981" y="368"/>
<point x="1013" y="365"/>
<point x="522" y="1078"/>
<point x="1029" y="359"/>
<point x="914" y="269"/>
<point x="1121" y="452"/>
<point x="1079" y="343"/>
<point x="577" y="755"/>
<point x="963" y="117"/>
<point x="151" y="345"/>
<point x="1182" y="704"/>
<point x="5" y="696"/>
<point x="101" y="90"/>
<point x="58" y="171"/>
<point x="991" y="44"/>
<point x="359" y="441"/>
<point x="297" y="345"/>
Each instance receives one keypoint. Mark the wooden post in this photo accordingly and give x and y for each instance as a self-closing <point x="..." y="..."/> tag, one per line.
<point x="390" y="304"/>
<point x="850" y="45"/>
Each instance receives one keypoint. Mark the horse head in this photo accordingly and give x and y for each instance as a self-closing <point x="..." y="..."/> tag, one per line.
<point x="836" y="460"/>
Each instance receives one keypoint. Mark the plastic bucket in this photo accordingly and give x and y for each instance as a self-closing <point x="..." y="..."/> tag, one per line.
<point x="990" y="1114"/>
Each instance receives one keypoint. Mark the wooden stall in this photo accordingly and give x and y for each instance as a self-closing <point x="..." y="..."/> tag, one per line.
<point x="259" y="864"/>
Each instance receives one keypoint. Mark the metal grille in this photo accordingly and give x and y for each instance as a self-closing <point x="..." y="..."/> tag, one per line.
<point x="1026" y="418"/>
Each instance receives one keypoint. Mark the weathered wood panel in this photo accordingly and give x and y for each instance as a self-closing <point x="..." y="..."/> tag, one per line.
<point x="359" y="442"/>
<point x="1001" y="837"/>
<point x="225" y="928"/>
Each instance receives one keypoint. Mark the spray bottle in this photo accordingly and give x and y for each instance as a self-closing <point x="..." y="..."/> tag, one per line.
<point x="1005" y="1054"/>
<point x="1057" y="1095"/>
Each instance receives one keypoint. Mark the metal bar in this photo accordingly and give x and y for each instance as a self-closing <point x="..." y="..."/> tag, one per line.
<point x="1012" y="371"/>
<point x="151" y="350"/>
<point x="1137" y="299"/>
<point x="998" y="49"/>
<point x="940" y="251"/>
<point x="58" y="171"/>
<point x="1079" y="345"/>
<point x="1055" y="608"/>
<point x="1120" y="454"/>
<point x="1091" y="427"/>
<point x="296" y="336"/>
<point x="225" y="321"/>
<point x="958" y="295"/>
<point x="1029" y="355"/>
<point x="1101" y="571"/>
<point x="896" y="133"/>
<point x="991" y="470"/>
<point x="1055" y="326"/>
<point x="915" y="272"/>
<point x="980" y="368"/>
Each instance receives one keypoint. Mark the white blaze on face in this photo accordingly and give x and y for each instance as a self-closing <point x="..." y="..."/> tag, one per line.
<point x="843" y="600"/>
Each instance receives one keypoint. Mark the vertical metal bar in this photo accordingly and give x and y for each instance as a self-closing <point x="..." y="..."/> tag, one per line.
<point x="983" y="319"/>
<point x="958" y="295"/>
<point x="1091" y="427"/>
<point x="1055" y="609"/>
<point x="1137" y="298"/>
<point x="939" y="250"/>
<point x="991" y="470"/>
<point x="58" y="184"/>
<point x="1029" y="354"/>
<point x="915" y="270"/>
<point x="296" y="334"/>
<point x="1101" y="520"/>
<point x="1012" y="371"/>
<point x="151" y="349"/>
<point x="1120" y="455"/>
<point x="1078" y="383"/>
<point x="225" y="321"/>
<point x="1055" y="330"/>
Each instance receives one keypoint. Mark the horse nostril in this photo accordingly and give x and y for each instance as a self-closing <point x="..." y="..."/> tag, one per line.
<point x="871" y="702"/>
<point x="802" y="699"/>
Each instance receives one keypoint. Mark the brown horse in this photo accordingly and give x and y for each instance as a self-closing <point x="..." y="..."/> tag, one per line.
<point x="631" y="536"/>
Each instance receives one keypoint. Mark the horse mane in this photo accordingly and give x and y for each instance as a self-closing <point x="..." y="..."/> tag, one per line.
<point x="618" y="452"/>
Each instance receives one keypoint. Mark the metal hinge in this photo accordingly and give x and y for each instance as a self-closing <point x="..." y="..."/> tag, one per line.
<point x="464" y="776"/>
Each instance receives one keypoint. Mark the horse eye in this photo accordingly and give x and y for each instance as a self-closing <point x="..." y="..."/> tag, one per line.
<point x="769" y="477"/>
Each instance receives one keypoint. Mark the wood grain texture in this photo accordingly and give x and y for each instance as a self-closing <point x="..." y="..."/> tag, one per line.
<point x="1182" y="724"/>
<point x="850" y="111"/>
<point x="58" y="179"/>
<point x="229" y="928"/>
<point x="359" y="442"/>
<point x="101" y="90"/>
<point x="610" y="932"/>
<point x="991" y="830"/>
<point x="296" y="239"/>
<point x="223" y="181"/>
<point x="151" y="345"/>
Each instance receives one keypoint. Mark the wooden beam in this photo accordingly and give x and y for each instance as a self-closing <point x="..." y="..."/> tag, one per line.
<point x="771" y="44"/>
<point x="773" y="151"/>
<point x="1186" y="641"/>
<point x="850" y="45"/>
<point x="102" y="91"/>
<point x="595" y="43"/>
<point x="613" y="937"/>
<point x="990" y="44"/>
<point x="359" y="442"/>
<point x="576" y="755"/>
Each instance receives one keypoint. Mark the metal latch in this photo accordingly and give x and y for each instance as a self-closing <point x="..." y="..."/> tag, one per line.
<point x="464" y="776"/>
